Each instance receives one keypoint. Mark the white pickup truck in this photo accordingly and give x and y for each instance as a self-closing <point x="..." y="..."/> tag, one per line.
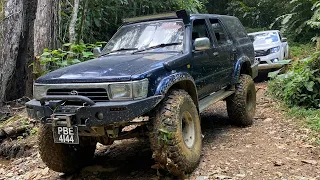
<point x="271" y="48"/>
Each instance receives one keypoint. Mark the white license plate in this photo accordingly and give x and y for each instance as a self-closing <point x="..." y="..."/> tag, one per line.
<point x="66" y="135"/>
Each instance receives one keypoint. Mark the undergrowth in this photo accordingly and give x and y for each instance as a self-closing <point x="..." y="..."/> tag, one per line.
<point x="299" y="90"/>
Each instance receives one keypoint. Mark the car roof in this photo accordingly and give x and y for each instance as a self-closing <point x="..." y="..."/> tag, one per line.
<point x="192" y="17"/>
<point x="195" y="16"/>
<point x="263" y="32"/>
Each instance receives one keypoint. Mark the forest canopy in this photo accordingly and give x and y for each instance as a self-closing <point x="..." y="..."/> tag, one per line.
<point x="57" y="28"/>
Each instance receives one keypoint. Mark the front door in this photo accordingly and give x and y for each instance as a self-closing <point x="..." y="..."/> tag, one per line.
<point x="202" y="64"/>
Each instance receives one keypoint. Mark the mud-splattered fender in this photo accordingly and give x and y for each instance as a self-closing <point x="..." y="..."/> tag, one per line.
<point x="166" y="83"/>
<point x="243" y="61"/>
<point x="175" y="80"/>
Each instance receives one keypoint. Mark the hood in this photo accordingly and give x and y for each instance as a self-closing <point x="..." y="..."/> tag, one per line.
<point x="265" y="46"/>
<point x="107" y="69"/>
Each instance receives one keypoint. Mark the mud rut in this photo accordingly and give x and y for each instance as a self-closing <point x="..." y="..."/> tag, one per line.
<point x="273" y="148"/>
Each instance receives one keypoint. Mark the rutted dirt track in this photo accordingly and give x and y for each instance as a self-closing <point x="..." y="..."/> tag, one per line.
<point x="273" y="148"/>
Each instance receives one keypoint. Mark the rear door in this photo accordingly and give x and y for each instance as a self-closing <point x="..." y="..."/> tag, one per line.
<point x="223" y="55"/>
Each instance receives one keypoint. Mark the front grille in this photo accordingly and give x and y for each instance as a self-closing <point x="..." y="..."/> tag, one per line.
<point x="260" y="53"/>
<point x="263" y="62"/>
<point x="95" y="94"/>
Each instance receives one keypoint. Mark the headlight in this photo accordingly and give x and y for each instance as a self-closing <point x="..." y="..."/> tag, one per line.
<point x="127" y="91"/>
<point x="274" y="50"/>
<point x="39" y="91"/>
<point x="120" y="91"/>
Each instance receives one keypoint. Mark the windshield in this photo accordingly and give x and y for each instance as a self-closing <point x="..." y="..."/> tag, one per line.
<point x="265" y="38"/>
<point x="145" y="35"/>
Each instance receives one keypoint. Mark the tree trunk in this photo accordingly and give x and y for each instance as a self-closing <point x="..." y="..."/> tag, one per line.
<point x="16" y="50"/>
<point x="22" y="37"/>
<point x="72" y="26"/>
<point x="83" y="18"/>
<point x="46" y="30"/>
<point x="45" y="26"/>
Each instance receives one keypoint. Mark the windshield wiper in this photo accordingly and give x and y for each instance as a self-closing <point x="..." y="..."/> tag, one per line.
<point x="158" y="46"/>
<point x="118" y="50"/>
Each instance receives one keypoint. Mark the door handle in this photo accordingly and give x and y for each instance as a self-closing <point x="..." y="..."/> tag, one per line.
<point x="215" y="54"/>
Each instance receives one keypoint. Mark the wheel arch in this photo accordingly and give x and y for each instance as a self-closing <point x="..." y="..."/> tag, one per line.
<point x="179" y="81"/>
<point x="243" y="66"/>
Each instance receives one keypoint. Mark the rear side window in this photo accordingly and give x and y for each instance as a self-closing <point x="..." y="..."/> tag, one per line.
<point x="220" y="33"/>
<point x="235" y="27"/>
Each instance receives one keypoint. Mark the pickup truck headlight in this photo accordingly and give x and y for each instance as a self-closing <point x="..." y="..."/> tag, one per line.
<point x="127" y="91"/>
<point x="274" y="50"/>
<point x="39" y="91"/>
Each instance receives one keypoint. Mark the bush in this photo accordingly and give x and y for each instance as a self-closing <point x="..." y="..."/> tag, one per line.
<point x="315" y="63"/>
<point x="301" y="51"/>
<point x="68" y="55"/>
<point x="300" y="86"/>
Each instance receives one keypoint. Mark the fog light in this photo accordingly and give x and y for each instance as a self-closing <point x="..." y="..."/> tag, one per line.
<point x="99" y="115"/>
<point x="275" y="60"/>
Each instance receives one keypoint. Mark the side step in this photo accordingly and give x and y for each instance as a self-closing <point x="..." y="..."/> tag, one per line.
<point x="213" y="98"/>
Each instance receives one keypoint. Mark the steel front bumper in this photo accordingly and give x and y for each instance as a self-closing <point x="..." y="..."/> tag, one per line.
<point x="113" y="112"/>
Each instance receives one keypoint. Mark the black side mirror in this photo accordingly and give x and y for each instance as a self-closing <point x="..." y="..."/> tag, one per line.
<point x="251" y="38"/>
<point x="97" y="51"/>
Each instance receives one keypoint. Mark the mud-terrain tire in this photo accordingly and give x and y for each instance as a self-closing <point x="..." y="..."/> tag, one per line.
<point x="62" y="157"/>
<point x="175" y="136"/>
<point x="241" y="106"/>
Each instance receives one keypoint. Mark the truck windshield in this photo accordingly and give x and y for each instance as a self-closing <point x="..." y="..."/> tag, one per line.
<point x="265" y="38"/>
<point x="142" y="36"/>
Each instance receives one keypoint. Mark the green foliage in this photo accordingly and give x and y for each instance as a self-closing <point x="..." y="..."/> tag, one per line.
<point x="19" y="137"/>
<point x="315" y="63"/>
<point x="165" y="135"/>
<point x="301" y="51"/>
<point x="194" y="6"/>
<point x="314" y="22"/>
<point x="252" y="30"/>
<point x="34" y="131"/>
<point x="300" y="86"/>
<point x="257" y="13"/>
<point x="98" y="20"/>
<point x="312" y="116"/>
<point x="68" y="55"/>
<point x="298" y="22"/>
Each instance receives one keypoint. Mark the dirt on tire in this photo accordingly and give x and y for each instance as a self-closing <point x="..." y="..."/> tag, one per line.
<point x="241" y="106"/>
<point x="62" y="157"/>
<point x="167" y="140"/>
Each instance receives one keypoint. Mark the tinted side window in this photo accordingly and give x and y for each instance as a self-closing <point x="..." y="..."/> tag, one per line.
<point x="235" y="27"/>
<point x="199" y="29"/>
<point x="219" y="32"/>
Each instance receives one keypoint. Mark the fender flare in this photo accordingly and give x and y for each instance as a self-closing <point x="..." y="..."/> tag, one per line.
<point x="244" y="60"/>
<point x="175" y="79"/>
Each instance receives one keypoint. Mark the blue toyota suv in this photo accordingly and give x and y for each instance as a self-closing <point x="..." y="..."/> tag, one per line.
<point x="157" y="73"/>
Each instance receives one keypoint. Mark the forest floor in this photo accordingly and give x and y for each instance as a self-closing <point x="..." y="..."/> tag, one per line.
<point x="275" y="147"/>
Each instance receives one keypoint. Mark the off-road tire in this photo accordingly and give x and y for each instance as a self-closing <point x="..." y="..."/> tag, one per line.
<point x="241" y="106"/>
<point x="169" y="128"/>
<point x="62" y="157"/>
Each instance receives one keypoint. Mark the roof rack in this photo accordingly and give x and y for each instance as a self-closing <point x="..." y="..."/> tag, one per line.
<point x="181" y="14"/>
